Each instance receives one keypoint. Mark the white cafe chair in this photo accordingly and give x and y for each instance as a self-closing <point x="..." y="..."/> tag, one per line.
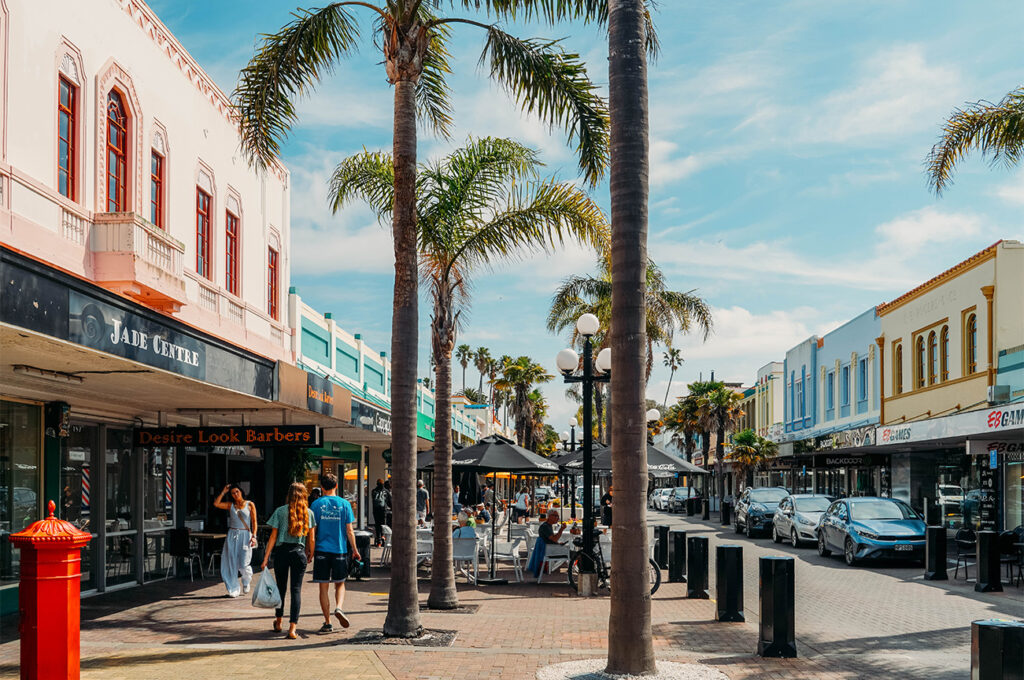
<point x="385" y="553"/>
<point x="465" y="552"/>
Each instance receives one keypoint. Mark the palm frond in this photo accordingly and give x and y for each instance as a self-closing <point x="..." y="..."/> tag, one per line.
<point x="433" y="96"/>
<point x="996" y="130"/>
<point x="553" y="84"/>
<point x="286" y="65"/>
<point x="369" y="176"/>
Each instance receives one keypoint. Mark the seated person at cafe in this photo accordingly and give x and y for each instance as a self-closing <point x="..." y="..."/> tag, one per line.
<point x="465" y="529"/>
<point x="547" y="529"/>
<point x="482" y="515"/>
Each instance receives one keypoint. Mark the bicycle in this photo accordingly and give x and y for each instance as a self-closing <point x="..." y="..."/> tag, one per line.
<point x="602" y="568"/>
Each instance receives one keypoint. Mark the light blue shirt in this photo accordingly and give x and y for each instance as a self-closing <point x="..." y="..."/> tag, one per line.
<point x="333" y="515"/>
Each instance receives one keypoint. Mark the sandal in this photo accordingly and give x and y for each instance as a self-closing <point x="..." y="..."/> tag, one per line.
<point x="292" y="635"/>
<point x="277" y="626"/>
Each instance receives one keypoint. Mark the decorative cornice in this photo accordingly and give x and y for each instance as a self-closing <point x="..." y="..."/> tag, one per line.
<point x="954" y="271"/>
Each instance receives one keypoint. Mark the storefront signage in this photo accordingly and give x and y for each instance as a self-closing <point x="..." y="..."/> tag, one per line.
<point x="987" y="503"/>
<point x="319" y="394"/>
<point x="41" y="299"/>
<point x="272" y="435"/>
<point x="826" y="460"/>
<point x="858" y="436"/>
<point x="370" y="418"/>
<point x="977" y="447"/>
<point x="962" y="424"/>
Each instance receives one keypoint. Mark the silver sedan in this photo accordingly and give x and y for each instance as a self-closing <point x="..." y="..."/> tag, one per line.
<point x="797" y="516"/>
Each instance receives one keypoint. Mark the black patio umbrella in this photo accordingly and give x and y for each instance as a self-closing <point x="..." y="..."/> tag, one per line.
<point x="658" y="461"/>
<point x="424" y="459"/>
<point x="497" y="454"/>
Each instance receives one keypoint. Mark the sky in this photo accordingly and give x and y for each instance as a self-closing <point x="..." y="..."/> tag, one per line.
<point x="787" y="143"/>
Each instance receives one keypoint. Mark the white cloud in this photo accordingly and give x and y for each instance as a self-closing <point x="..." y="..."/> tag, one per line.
<point x="899" y="92"/>
<point x="911" y="233"/>
<point x="1013" y="192"/>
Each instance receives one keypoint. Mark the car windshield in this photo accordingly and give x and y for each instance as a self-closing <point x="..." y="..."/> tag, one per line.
<point x="768" y="495"/>
<point x="813" y="504"/>
<point x="881" y="509"/>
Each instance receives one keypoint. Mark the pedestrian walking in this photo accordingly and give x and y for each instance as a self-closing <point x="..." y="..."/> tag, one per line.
<point x="379" y="501"/>
<point x="422" y="504"/>
<point x="606" y="508"/>
<point x="236" y="555"/>
<point x="291" y="544"/>
<point x="521" y="509"/>
<point x="335" y="542"/>
<point x="388" y="517"/>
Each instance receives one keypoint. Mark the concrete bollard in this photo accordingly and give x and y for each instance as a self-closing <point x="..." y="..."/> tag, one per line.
<point x="661" y="546"/>
<point x="729" y="582"/>
<point x="988" y="580"/>
<point x="705" y="509"/>
<point x="777" y="636"/>
<point x="935" y="554"/>
<point x="932" y="512"/>
<point x="726" y="514"/>
<point x="997" y="650"/>
<point x="697" y="568"/>
<point x="677" y="557"/>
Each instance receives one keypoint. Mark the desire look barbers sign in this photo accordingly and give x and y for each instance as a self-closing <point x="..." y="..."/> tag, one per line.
<point x="273" y="435"/>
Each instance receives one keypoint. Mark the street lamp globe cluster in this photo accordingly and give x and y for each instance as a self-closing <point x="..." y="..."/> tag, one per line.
<point x="586" y="371"/>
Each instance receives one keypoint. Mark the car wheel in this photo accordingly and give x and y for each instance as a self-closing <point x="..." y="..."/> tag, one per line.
<point x="850" y="553"/>
<point x="822" y="549"/>
<point x="775" y="535"/>
<point x="793" y="537"/>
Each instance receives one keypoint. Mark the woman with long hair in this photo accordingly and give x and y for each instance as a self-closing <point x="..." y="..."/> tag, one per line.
<point x="291" y="545"/>
<point x="236" y="556"/>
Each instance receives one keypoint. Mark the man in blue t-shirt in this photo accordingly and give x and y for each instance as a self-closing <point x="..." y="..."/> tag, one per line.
<point x="334" y="539"/>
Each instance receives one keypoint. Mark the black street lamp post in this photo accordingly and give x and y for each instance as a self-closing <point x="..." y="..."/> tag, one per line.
<point x="569" y="481"/>
<point x="588" y="372"/>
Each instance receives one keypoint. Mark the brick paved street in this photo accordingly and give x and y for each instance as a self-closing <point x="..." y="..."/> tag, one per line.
<point x="851" y="623"/>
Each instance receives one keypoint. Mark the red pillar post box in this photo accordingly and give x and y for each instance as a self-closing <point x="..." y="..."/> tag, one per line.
<point x="49" y="599"/>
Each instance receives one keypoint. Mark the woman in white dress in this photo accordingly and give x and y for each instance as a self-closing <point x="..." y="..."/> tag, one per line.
<point x="236" y="556"/>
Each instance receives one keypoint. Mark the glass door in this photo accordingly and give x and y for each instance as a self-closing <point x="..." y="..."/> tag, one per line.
<point x="78" y="458"/>
<point x="157" y="510"/>
<point x="21" y="438"/>
<point x="122" y="519"/>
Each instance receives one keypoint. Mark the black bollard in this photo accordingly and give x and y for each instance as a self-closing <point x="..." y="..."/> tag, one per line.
<point x="935" y="554"/>
<point x="697" y="568"/>
<point x="997" y="650"/>
<point x="677" y="557"/>
<point x="932" y="512"/>
<point x="726" y="514"/>
<point x="778" y="630"/>
<point x="729" y="582"/>
<point x="688" y="505"/>
<point x="988" y="580"/>
<point x="661" y="547"/>
<point x="705" y="511"/>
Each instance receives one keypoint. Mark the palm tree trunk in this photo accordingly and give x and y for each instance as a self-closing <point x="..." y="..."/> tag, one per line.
<point x="630" y="646"/>
<point x="599" y="407"/>
<point x="719" y="463"/>
<point x="668" y="389"/>
<point x="463" y="378"/>
<point x="403" y="618"/>
<point x="443" y="594"/>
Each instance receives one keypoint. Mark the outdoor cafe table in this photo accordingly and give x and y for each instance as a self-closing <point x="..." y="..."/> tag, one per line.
<point x="202" y="537"/>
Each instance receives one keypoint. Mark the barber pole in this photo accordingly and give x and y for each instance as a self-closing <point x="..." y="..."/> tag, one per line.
<point x="168" y="493"/>
<point x="85" y="489"/>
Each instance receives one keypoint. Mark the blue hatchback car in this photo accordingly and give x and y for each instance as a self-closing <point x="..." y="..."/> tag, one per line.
<point x="868" y="528"/>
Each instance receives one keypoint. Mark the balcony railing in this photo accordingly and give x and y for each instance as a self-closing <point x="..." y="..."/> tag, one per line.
<point x="135" y="258"/>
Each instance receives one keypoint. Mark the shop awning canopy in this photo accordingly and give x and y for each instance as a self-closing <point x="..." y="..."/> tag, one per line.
<point x="495" y="454"/>
<point x="658" y="462"/>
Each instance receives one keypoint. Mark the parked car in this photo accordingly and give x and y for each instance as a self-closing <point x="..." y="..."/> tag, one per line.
<point x="543" y="493"/>
<point x="796" y="518"/>
<point x="755" y="509"/>
<point x="564" y="511"/>
<point x="677" y="500"/>
<point x="869" y="528"/>
<point x="659" y="499"/>
<point x="597" y="497"/>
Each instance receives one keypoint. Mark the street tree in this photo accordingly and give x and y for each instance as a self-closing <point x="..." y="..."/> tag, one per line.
<point x="413" y="37"/>
<point x="464" y="354"/>
<point x="674" y="361"/>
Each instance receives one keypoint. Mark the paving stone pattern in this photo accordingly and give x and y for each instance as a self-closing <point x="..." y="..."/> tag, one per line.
<point x="876" y="622"/>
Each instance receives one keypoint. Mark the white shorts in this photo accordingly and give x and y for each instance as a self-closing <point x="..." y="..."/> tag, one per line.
<point x="421" y="515"/>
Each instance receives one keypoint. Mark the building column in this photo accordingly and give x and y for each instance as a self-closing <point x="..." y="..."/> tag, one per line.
<point x="880" y="341"/>
<point x="989" y="293"/>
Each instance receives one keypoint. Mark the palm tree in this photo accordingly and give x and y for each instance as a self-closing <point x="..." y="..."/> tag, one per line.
<point x="464" y="353"/>
<point x="674" y="360"/>
<point x="751" y="452"/>
<point x="492" y="374"/>
<point x="413" y="37"/>
<point x="996" y="130"/>
<point x="481" y="204"/>
<point x="480" y="359"/>
<point x="666" y="310"/>
<point x="683" y="421"/>
<point x="719" y="411"/>
<point x="519" y="377"/>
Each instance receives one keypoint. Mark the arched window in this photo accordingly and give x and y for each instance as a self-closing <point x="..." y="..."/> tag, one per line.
<point x="944" y="354"/>
<point x="898" y="368"/>
<point x="67" y="147"/>
<point x="971" y="344"/>
<point x="933" y="358"/>
<point x="117" y="153"/>
<point x="919" y="365"/>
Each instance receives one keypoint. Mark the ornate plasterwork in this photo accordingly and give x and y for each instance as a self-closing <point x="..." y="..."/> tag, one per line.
<point x="158" y="143"/>
<point x="233" y="205"/>
<point x="204" y="181"/>
<point x="69" y="68"/>
<point x="115" y="77"/>
<point x="871" y="352"/>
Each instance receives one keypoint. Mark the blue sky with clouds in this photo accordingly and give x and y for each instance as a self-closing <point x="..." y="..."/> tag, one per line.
<point x="787" y="149"/>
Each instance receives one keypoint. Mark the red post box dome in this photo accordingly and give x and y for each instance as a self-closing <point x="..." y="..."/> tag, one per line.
<point x="50" y="533"/>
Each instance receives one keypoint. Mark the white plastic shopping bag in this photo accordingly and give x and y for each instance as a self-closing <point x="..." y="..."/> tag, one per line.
<point x="266" y="594"/>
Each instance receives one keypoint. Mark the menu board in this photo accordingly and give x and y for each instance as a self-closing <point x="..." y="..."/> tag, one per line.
<point x="987" y="502"/>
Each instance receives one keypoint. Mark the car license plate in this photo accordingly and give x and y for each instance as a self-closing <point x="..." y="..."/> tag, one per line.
<point x="904" y="547"/>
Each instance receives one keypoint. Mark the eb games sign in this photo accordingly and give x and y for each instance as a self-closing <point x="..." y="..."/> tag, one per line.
<point x="985" y="421"/>
<point x="1005" y="417"/>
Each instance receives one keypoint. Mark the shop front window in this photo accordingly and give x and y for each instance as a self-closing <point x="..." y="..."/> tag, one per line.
<point x="157" y="509"/>
<point x="1012" y="482"/>
<point x="122" y="521"/>
<point x="77" y="491"/>
<point x="20" y="479"/>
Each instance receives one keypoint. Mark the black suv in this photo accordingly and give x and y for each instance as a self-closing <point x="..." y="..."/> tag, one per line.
<point x="755" y="509"/>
